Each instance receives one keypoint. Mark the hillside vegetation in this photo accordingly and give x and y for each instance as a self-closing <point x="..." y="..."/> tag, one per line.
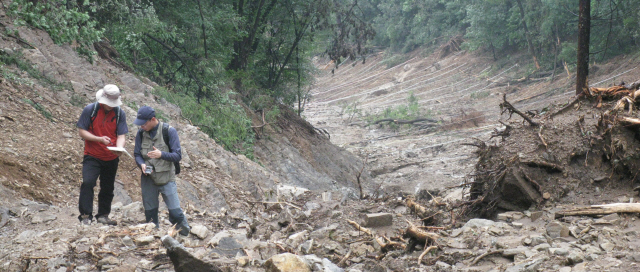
<point x="209" y="55"/>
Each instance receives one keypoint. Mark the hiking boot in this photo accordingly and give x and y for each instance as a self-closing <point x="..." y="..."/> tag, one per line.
<point x="105" y="220"/>
<point x="182" y="230"/>
<point x="85" y="220"/>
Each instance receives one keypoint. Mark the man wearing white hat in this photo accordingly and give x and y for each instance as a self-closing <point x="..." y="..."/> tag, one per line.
<point x="102" y="124"/>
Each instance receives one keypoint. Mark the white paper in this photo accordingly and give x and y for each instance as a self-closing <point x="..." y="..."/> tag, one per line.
<point x="121" y="149"/>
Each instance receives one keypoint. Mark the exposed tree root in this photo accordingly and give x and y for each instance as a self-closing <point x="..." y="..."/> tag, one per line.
<point x="505" y="106"/>
<point x="359" y="228"/>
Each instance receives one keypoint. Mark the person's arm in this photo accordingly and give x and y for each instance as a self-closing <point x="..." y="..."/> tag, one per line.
<point x="174" y="144"/>
<point x="86" y="135"/>
<point x="84" y="122"/>
<point x="120" y="140"/>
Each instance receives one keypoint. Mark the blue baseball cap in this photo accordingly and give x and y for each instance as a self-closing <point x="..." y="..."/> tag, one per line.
<point x="145" y="113"/>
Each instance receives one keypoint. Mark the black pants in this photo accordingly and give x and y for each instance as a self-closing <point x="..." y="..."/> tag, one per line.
<point x="93" y="168"/>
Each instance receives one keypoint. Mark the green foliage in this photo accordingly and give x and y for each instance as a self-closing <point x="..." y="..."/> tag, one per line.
<point x="409" y="111"/>
<point x="63" y="25"/>
<point x="39" y="108"/>
<point x="160" y="115"/>
<point x="77" y="100"/>
<point x="222" y="119"/>
<point x="394" y="59"/>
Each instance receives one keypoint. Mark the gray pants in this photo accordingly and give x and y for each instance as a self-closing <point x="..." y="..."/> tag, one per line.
<point x="151" y="201"/>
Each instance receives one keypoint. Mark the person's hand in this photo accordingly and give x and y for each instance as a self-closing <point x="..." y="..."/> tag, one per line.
<point x="155" y="154"/>
<point x="104" y="139"/>
<point x="118" y="153"/>
<point x="143" y="167"/>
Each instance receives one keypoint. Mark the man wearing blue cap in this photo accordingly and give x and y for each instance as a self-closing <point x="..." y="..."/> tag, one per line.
<point x="156" y="157"/>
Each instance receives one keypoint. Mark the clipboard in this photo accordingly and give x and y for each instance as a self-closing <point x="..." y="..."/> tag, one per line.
<point x="121" y="149"/>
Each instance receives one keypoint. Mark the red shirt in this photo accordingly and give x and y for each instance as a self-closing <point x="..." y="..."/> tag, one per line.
<point x="102" y="126"/>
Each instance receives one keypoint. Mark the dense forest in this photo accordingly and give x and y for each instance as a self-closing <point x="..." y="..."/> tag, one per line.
<point x="218" y="59"/>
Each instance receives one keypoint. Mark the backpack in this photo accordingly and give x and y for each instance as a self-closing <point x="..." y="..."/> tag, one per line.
<point x="165" y="136"/>
<point x="95" y="111"/>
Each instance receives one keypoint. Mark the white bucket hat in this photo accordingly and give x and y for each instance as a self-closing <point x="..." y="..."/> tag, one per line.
<point x="109" y="95"/>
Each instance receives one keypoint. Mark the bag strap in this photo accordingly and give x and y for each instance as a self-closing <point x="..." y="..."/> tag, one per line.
<point x="94" y="112"/>
<point x="165" y="134"/>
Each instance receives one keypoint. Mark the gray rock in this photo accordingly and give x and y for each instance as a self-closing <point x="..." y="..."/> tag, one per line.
<point x="24" y="236"/>
<point x="336" y="214"/>
<point x="558" y="251"/>
<point x="306" y="247"/>
<point x="378" y="219"/>
<point x="556" y="229"/>
<point x="536" y="215"/>
<point x="442" y="266"/>
<point x="286" y="262"/>
<point x="127" y="241"/>
<point x="182" y="260"/>
<point x="200" y="231"/>
<point x="591" y="257"/>
<point x="133" y="212"/>
<point x="297" y="238"/>
<point x="510" y="216"/>
<point x="144" y="240"/>
<point x="530" y="266"/>
<point x="43" y="218"/>
<point x="330" y="267"/>
<point x="324" y="232"/>
<point x="575" y="257"/>
<point x="513" y="251"/>
<point x="607" y="246"/>
<point x="634" y="258"/>
<point x="537" y="240"/>
<point x="565" y="269"/>
<point x="542" y="247"/>
<point x="108" y="261"/>
<point x="592" y="250"/>
<point x="477" y="223"/>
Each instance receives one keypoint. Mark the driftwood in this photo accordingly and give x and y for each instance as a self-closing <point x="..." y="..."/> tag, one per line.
<point x="359" y="228"/>
<point x="405" y="122"/>
<point x="425" y="252"/>
<point x="418" y="209"/>
<point x="420" y="235"/>
<point x="386" y="246"/>
<point x="484" y="255"/>
<point x="567" y="106"/>
<point x="543" y="164"/>
<point x="629" y="120"/>
<point x="601" y="209"/>
<point x="505" y="106"/>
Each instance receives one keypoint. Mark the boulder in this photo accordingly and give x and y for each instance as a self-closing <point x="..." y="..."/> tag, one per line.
<point x="286" y="262"/>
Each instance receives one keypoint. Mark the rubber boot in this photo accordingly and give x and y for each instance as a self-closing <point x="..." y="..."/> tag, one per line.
<point x="176" y="216"/>
<point x="152" y="216"/>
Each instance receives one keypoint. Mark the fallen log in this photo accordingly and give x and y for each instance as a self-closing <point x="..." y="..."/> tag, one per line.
<point x="542" y="164"/>
<point x="601" y="209"/>
<point x="405" y="122"/>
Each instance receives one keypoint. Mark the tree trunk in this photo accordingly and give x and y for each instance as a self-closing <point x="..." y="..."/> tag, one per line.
<point x="527" y="35"/>
<point x="584" y="29"/>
